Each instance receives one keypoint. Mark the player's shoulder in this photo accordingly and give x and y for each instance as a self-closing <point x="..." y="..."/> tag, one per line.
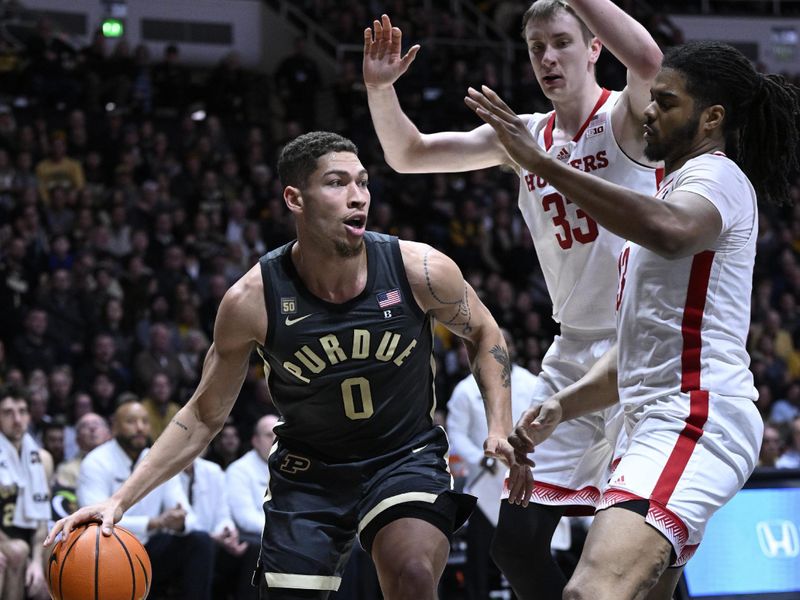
<point x="243" y="309"/>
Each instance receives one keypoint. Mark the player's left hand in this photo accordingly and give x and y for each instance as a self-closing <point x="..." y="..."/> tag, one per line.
<point x="520" y="477"/>
<point x="512" y="131"/>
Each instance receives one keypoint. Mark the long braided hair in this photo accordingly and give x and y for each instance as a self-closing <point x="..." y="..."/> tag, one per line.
<point x="762" y="112"/>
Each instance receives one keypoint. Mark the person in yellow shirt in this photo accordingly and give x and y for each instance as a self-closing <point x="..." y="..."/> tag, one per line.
<point x="59" y="170"/>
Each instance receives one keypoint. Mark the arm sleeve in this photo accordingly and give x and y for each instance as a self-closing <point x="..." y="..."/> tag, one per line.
<point x="222" y="516"/>
<point x="248" y="517"/>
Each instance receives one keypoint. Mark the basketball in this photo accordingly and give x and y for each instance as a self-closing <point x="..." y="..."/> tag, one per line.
<point x="86" y="564"/>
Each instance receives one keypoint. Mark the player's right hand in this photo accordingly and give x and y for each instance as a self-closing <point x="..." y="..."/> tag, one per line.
<point x="106" y="513"/>
<point x="535" y="426"/>
<point x="383" y="64"/>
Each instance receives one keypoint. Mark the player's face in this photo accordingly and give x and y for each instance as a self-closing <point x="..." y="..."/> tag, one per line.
<point x="561" y="59"/>
<point x="336" y="203"/>
<point x="14" y="418"/>
<point x="671" y="119"/>
<point x="132" y="426"/>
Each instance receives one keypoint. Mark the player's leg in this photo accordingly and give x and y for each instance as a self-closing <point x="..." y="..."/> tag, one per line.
<point x="410" y="555"/>
<point x="623" y="558"/>
<point x="16" y="555"/>
<point x="664" y="589"/>
<point x="521" y="549"/>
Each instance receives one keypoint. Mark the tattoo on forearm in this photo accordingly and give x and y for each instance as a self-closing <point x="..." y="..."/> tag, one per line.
<point x="181" y="425"/>
<point x="463" y="313"/>
<point x="501" y="356"/>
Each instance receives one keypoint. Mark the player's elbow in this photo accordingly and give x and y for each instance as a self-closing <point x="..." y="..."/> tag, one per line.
<point x="670" y="243"/>
<point x="648" y="61"/>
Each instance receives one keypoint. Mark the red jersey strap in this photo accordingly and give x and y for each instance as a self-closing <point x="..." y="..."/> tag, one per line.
<point x="551" y="121"/>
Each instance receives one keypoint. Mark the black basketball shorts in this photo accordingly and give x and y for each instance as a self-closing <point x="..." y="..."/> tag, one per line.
<point x="314" y="510"/>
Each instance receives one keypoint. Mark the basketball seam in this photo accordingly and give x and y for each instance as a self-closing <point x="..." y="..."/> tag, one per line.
<point x="96" y="563"/>
<point x="146" y="578"/>
<point x="130" y="562"/>
<point x="64" y="563"/>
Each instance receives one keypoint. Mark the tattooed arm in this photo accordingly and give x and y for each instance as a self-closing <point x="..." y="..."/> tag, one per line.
<point x="440" y="290"/>
<point x="241" y="322"/>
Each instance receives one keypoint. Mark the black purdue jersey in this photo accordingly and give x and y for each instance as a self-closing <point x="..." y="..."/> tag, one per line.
<point x="351" y="380"/>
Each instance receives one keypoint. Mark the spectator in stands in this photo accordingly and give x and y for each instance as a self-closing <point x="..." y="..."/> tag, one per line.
<point x="103" y="361"/>
<point x="170" y="83"/>
<point x="53" y="434"/>
<point x="163" y="520"/>
<point x="790" y="459"/>
<point x="59" y="170"/>
<point x="24" y="500"/>
<point x="91" y="431"/>
<point x="158" y="403"/>
<point x="248" y="479"/>
<point x="34" y="348"/>
<point x="159" y="356"/>
<point x="298" y="82"/>
<point x="226" y="446"/>
<point x="771" y="446"/>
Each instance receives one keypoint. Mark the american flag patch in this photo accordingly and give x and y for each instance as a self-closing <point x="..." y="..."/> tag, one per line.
<point x="389" y="298"/>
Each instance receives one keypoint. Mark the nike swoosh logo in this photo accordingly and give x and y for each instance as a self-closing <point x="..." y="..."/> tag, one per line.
<point x="420" y="449"/>
<point x="290" y="322"/>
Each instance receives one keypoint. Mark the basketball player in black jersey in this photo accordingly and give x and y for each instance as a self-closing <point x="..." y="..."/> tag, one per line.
<point x="343" y="320"/>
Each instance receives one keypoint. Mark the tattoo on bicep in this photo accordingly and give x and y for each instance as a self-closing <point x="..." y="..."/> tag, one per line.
<point x="462" y="317"/>
<point x="181" y="425"/>
<point x="501" y="356"/>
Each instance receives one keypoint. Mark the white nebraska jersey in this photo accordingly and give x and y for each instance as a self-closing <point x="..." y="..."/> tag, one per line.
<point x="682" y="324"/>
<point x="578" y="258"/>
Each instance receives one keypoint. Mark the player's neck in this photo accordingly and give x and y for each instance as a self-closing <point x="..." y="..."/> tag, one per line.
<point x="571" y="113"/>
<point x="706" y="146"/>
<point x="329" y="276"/>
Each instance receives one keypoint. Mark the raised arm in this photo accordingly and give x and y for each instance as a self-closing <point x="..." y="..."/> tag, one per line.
<point x="240" y="323"/>
<point x="635" y="48"/>
<point x="406" y="149"/>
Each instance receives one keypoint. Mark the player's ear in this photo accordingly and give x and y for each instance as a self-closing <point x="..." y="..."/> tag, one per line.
<point x="293" y="197"/>
<point x="595" y="47"/>
<point x="712" y="118"/>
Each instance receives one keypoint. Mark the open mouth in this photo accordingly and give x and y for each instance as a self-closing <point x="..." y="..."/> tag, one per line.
<point x="356" y="222"/>
<point x="551" y="78"/>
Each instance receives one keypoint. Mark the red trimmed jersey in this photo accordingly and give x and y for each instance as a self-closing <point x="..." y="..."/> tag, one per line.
<point x="682" y="324"/>
<point x="578" y="258"/>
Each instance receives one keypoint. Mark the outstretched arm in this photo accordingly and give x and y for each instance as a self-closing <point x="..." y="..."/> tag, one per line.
<point x="594" y="391"/>
<point x="440" y="289"/>
<point x="406" y="149"/>
<point x="635" y="48"/>
<point x="681" y="226"/>
<point x="241" y="321"/>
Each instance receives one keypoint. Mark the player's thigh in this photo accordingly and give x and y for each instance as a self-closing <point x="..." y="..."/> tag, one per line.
<point x="623" y="557"/>
<point x="410" y="546"/>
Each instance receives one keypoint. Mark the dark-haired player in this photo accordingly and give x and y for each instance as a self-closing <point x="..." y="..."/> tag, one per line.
<point x="343" y="319"/>
<point x="726" y="134"/>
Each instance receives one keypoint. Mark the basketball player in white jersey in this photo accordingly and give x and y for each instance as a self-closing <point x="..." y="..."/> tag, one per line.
<point x="680" y="368"/>
<point x="592" y="130"/>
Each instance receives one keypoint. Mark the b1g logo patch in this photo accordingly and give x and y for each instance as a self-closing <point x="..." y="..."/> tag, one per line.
<point x="288" y="306"/>
<point x="294" y="464"/>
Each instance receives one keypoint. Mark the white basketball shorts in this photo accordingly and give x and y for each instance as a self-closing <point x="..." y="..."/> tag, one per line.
<point x="688" y="454"/>
<point x="574" y="463"/>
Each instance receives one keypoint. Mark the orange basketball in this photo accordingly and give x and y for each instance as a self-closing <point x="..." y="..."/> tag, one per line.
<point x="90" y="566"/>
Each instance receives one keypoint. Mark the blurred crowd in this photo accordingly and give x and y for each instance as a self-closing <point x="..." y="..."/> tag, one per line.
<point x="135" y="191"/>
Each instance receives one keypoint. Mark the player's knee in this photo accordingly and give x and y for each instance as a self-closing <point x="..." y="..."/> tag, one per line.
<point x="413" y="579"/>
<point x="16" y="552"/>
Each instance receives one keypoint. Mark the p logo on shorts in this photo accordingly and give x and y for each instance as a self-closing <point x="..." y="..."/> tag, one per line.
<point x="294" y="464"/>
